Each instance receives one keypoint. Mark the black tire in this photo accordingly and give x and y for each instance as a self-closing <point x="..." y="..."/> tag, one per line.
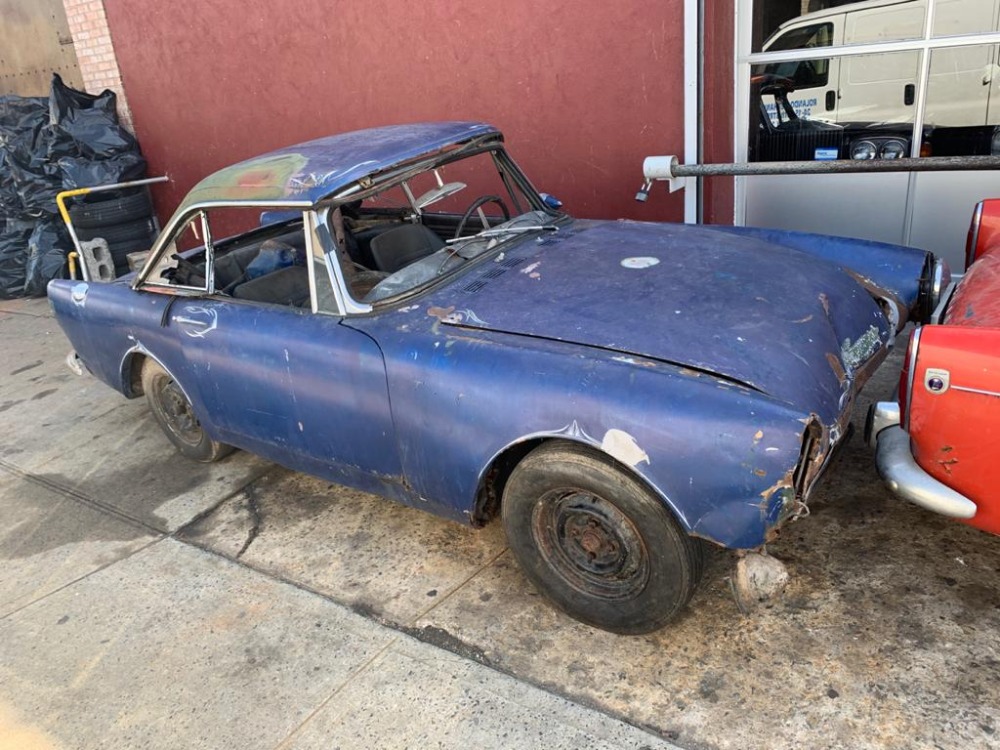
<point x="597" y="542"/>
<point x="120" y="251"/>
<point x="118" y="210"/>
<point x="116" y="233"/>
<point x="173" y="413"/>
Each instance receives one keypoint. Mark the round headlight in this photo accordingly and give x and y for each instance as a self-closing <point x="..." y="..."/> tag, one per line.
<point x="863" y="150"/>
<point x="893" y="149"/>
<point x="995" y="142"/>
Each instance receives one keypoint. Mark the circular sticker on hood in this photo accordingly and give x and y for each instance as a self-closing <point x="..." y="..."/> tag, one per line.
<point x="641" y="261"/>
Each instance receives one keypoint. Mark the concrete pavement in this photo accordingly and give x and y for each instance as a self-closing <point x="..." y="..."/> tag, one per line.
<point x="113" y="633"/>
<point x="244" y="605"/>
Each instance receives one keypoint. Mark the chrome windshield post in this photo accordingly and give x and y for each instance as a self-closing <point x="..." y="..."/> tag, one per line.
<point x="321" y="249"/>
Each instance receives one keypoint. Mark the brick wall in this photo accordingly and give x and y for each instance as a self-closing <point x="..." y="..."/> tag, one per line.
<point x="96" y="54"/>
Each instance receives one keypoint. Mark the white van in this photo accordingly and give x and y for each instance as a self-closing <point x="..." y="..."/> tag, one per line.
<point x="964" y="82"/>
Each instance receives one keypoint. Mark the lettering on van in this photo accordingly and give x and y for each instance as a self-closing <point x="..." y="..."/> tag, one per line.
<point x="802" y="108"/>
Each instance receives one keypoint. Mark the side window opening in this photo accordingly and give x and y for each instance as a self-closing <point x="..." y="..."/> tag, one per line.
<point x="225" y="251"/>
<point x="182" y="264"/>
<point x="805" y="73"/>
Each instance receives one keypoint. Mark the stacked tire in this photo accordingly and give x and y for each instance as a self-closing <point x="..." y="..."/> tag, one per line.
<point x="124" y="219"/>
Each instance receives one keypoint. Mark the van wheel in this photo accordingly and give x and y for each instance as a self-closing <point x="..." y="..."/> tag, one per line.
<point x="597" y="542"/>
<point x="176" y="418"/>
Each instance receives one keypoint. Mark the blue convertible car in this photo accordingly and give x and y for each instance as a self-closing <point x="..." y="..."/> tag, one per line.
<point x="400" y="311"/>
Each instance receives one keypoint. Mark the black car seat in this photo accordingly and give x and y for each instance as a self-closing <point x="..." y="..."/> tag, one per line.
<point x="402" y="245"/>
<point x="286" y="286"/>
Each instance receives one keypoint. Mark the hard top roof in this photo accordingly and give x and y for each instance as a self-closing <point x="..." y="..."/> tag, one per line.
<point x="314" y="170"/>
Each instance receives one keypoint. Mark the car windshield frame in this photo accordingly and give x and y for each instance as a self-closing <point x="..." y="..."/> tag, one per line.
<point x="509" y="172"/>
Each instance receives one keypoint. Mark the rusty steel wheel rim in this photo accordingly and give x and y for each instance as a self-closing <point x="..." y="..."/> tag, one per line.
<point x="590" y="543"/>
<point x="177" y="413"/>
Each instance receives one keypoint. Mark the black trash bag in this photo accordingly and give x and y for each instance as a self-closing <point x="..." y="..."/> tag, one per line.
<point x="48" y="246"/>
<point x="22" y="118"/>
<point x="26" y="138"/>
<point x="14" y="257"/>
<point x="23" y="121"/>
<point x="36" y="190"/>
<point x="10" y="202"/>
<point x="17" y="111"/>
<point x="80" y="171"/>
<point x="89" y="121"/>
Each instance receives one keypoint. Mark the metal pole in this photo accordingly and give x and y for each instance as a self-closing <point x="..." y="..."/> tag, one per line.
<point x="64" y="212"/>
<point x="667" y="168"/>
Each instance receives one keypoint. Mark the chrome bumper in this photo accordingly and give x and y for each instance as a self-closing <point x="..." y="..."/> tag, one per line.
<point x="901" y="472"/>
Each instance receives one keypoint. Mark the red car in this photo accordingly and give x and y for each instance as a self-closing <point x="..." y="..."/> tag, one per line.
<point x="937" y="444"/>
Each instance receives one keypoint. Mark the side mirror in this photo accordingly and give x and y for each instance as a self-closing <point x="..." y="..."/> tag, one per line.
<point x="551" y="201"/>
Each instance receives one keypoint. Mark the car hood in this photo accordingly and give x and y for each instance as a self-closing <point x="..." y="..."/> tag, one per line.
<point x="775" y="319"/>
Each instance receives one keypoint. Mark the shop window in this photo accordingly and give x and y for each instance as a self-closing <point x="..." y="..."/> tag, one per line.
<point x="865" y="106"/>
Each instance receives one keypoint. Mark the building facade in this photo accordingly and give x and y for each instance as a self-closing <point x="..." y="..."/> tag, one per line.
<point x="583" y="93"/>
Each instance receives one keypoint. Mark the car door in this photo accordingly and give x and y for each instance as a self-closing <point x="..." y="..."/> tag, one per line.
<point x="281" y="380"/>
<point x="291" y="385"/>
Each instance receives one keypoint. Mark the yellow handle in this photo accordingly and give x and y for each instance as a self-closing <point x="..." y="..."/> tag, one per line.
<point x="61" y="201"/>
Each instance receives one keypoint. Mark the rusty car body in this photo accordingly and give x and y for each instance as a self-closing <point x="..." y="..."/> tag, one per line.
<point x="618" y="391"/>
<point x="936" y="443"/>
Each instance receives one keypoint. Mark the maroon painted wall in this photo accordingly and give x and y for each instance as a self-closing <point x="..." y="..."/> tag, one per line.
<point x="582" y="90"/>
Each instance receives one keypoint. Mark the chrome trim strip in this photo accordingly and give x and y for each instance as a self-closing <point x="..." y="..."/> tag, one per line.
<point x="320" y="227"/>
<point x="905" y="478"/>
<point x="884" y="414"/>
<point x="914" y="346"/>
<point x="937" y="281"/>
<point x="938" y="315"/>
<point x="312" y="242"/>
<point x="973" y="390"/>
<point x="970" y="251"/>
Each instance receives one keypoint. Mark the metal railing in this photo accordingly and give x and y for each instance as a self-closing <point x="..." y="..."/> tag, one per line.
<point x="667" y="168"/>
<point x="66" y="195"/>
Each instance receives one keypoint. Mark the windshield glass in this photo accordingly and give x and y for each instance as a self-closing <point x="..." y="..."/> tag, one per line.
<point x="417" y="230"/>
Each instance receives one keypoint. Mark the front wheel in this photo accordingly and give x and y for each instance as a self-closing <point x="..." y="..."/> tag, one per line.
<point x="597" y="542"/>
<point x="175" y="416"/>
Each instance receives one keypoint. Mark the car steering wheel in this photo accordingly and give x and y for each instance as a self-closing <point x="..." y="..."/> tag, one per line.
<point x="477" y="203"/>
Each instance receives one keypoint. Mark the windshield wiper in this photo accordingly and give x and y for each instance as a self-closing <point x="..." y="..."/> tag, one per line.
<point x="501" y="231"/>
<point x="460" y="251"/>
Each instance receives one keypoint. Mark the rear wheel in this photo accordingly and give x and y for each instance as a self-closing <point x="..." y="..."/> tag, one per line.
<point x="172" y="410"/>
<point x="597" y="542"/>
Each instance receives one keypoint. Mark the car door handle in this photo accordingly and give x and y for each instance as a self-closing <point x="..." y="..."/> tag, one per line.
<point x="192" y="321"/>
<point x="909" y="94"/>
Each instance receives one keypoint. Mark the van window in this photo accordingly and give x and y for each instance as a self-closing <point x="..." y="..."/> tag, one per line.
<point x="817" y="35"/>
<point x="805" y="73"/>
